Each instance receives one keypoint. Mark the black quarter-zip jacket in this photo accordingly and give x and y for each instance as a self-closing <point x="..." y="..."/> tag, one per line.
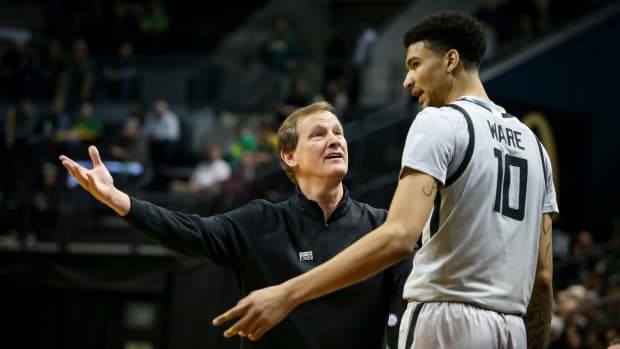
<point x="266" y="243"/>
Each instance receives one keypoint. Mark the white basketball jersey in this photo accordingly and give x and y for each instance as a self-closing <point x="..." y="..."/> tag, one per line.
<point x="480" y="244"/>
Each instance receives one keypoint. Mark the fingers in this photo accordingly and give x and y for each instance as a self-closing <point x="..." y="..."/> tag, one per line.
<point x="76" y="170"/>
<point x="94" y="156"/>
<point x="232" y="313"/>
<point x="71" y="166"/>
<point x="246" y="326"/>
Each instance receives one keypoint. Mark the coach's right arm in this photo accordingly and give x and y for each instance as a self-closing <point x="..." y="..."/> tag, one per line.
<point x="184" y="233"/>
<point x="538" y="316"/>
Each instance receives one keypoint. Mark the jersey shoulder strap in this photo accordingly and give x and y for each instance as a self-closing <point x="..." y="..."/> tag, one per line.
<point x="470" y="146"/>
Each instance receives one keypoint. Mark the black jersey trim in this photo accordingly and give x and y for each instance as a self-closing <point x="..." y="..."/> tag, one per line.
<point x="476" y="102"/>
<point x="470" y="146"/>
<point x="413" y="321"/>
<point x="542" y="159"/>
<point x="435" y="217"/>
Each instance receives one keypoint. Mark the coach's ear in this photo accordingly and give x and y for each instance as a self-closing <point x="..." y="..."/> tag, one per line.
<point x="451" y="60"/>
<point x="289" y="158"/>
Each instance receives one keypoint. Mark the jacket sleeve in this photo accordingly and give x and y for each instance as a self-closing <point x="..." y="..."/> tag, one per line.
<point x="220" y="238"/>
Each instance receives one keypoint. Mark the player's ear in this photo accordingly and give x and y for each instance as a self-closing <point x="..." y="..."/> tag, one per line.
<point x="289" y="158"/>
<point x="451" y="60"/>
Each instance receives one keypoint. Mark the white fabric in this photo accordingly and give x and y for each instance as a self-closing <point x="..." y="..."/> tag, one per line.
<point x="461" y="326"/>
<point x="480" y="254"/>
<point x="207" y="174"/>
<point x="165" y="128"/>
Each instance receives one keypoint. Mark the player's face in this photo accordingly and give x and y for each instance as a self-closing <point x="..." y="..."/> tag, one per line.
<point x="426" y="78"/>
<point x="321" y="150"/>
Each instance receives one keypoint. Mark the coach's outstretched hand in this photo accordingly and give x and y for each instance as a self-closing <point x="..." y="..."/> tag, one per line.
<point x="258" y="312"/>
<point x="98" y="181"/>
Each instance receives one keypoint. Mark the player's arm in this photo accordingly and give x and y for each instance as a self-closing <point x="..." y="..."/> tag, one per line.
<point x="386" y="245"/>
<point x="538" y="316"/>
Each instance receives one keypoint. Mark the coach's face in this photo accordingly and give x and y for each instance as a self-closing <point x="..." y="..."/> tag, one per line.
<point x="321" y="150"/>
<point x="428" y="75"/>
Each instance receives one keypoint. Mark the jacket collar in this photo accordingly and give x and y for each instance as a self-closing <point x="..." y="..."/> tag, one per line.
<point x="312" y="209"/>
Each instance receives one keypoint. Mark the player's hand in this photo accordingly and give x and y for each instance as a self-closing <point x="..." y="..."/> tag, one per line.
<point x="257" y="313"/>
<point x="98" y="181"/>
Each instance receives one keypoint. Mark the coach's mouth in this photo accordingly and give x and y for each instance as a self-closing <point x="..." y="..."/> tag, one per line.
<point x="331" y="156"/>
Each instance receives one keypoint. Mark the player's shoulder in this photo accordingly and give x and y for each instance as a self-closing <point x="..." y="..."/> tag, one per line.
<point x="440" y="112"/>
<point x="443" y="117"/>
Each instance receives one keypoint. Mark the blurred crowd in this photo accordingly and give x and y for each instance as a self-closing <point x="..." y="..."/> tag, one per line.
<point x="587" y="288"/>
<point x="56" y="87"/>
<point x="512" y="24"/>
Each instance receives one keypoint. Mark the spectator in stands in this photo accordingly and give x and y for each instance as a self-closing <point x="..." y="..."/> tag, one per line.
<point x="121" y="76"/>
<point x="82" y="75"/>
<point x="18" y="71"/>
<point x="163" y="131"/>
<point x="129" y="145"/>
<point x="136" y="110"/>
<point x="335" y="95"/>
<point x="582" y="243"/>
<point x="336" y="56"/>
<point x="361" y="59"/>
<point x="267" y="140"/>
<point x="244" y="143"/>
<point x="154" y="25"/>
<point x="208" y="173"/>
<point x="297" y="96"/>
<point x="281" y="50"/>
<point x="53" y="70"/>
<point x="87" y="128"/>
<point x="512" y="23"/>
<point x="125" y="21"/>
<point x="21" y="125"/>
<point x="574" y="337"/>
<point x="17" y="169"/>
<point x="54" y="121"/>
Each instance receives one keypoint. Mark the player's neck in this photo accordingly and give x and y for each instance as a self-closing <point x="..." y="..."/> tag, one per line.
<point x="326" y="194"/>
<point x="467" y="84"/>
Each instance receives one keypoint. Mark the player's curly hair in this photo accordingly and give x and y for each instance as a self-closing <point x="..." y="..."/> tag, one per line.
<point x="451" y="30"/>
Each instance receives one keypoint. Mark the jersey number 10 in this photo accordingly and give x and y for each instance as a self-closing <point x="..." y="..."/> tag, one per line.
<point x="504" y="183"/>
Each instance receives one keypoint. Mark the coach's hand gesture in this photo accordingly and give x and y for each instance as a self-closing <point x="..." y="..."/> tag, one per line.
<point x="258" y="312"/>
<point x="98" y="182"/>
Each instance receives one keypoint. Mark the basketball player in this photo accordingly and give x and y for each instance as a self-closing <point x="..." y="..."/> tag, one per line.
<point x="265" y="243"/>
<point x="477" y="185"/>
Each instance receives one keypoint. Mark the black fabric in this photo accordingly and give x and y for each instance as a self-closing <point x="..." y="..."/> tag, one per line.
<point x="261" y="242"/>
<point x="435" y="216"/>
<point x="542" y="159"/>
<point x="470" y="146"/>
<point x="476" y="102"/>
<point x="414" y="320"/>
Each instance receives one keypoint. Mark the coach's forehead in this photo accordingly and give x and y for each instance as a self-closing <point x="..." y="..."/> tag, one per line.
<point x="320" y="118"/>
